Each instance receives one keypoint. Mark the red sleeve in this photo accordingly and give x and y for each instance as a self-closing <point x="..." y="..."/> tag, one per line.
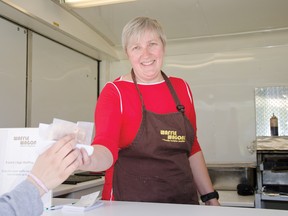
<point x="192" y="117"/>
<point x="107" y="134"/>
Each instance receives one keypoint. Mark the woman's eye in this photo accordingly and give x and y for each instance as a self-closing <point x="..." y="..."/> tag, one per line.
<point x="135" y="48"/>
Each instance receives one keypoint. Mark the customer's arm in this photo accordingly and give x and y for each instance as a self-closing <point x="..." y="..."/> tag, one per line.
<point x="201" y="176"/>
<point x="24" y="199"/>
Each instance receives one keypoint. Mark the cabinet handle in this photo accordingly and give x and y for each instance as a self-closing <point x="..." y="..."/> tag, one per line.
<point x="261" y="167"/>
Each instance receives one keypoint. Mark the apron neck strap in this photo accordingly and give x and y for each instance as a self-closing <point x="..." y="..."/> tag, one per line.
<point x="139" y="93"/>
<point x="179" y="106"/>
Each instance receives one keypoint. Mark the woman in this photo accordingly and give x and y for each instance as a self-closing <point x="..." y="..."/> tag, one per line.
<point x="146" y="129"/>
<point x="50" y="169"/>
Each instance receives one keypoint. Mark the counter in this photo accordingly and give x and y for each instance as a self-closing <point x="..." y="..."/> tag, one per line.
<point x="227" y="198"/>
<point x="117" y="208"/>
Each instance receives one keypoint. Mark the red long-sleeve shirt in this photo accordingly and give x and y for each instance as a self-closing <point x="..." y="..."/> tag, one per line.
<point x="118" y="114"/>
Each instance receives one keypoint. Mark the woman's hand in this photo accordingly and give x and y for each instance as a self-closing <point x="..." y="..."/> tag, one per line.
<point x="100" y="160"/>
<point x="86" y="161"/>
<point x="213" y="202"/>
<point x="56" y="164"/>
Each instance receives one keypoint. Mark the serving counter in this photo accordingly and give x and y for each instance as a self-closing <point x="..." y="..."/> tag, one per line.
<point x="117" y="208"/>
<point x="227" y="198"/>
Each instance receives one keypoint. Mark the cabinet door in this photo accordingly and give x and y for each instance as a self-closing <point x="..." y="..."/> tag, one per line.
<point x="64" y="83"/>
<point x="12" y="74"/>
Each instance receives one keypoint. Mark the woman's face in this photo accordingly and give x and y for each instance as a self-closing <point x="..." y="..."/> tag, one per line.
<point x="146" y="56"/>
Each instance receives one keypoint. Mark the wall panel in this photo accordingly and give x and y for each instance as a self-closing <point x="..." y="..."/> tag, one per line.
<point x="12" y="74"/>
<point x="64" y="83"/>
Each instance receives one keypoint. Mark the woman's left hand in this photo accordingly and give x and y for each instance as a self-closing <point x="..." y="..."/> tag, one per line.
<point x="213" y="202"/>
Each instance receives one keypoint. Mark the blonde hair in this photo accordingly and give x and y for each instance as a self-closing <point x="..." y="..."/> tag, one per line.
<point x="137" y="26"/>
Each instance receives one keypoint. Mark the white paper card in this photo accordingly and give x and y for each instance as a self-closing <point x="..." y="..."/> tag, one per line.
<point x="85" y="203"/>
<point x="19" y="149"/>
<point x="59" y="128"/>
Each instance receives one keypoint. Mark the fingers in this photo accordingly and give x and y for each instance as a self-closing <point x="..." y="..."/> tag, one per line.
<point x="67" y="143"/>
<point x="85" y="157"/>
<point x="64" y="147"/>
<point x="76" y="158"/>
<point x="71" y="162"/>
<point x="58" y="162"/>
<point x="62" y="154"/>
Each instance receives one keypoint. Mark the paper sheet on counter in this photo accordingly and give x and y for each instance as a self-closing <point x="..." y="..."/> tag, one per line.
<point x="20" y="147"/>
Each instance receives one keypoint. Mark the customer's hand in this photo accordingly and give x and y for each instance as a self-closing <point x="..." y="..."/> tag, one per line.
<point x="56" y="164"/>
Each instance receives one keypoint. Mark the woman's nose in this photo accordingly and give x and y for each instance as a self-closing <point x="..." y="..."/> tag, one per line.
<point x="146" y="51"/>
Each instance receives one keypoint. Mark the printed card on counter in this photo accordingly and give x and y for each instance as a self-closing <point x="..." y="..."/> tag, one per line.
<point x="86" y="203"/>
<point x="19" y="149"/>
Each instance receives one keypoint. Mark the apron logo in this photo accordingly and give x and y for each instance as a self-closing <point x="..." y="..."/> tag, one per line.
<point x="171" y="136"/>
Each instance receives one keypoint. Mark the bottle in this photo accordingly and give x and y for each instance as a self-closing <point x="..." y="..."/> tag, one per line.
<point x="274" y="125"/>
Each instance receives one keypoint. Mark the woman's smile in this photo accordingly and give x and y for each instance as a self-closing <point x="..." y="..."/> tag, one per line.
<point x="148" y="63"/>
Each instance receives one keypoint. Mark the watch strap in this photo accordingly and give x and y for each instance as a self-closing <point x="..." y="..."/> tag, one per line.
<point x="209" y="196"/>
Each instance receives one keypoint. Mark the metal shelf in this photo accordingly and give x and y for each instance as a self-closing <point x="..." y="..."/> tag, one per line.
<point x="275" y="197"/>
<point x="266" y="178"/>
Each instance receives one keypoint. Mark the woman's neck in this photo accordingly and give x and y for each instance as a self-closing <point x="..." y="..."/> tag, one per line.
<point x="128" y="77"/>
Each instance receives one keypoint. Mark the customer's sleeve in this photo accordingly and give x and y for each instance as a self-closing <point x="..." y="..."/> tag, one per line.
<point x="24" y="199"/>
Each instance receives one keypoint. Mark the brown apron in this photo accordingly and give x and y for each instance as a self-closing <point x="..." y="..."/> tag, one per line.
<point x="155" y="167"/>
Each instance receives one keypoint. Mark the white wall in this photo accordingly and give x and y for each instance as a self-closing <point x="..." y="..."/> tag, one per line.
<point x="223" y="73"/>
<point x="63" y="83"/>
<point x="12" y="75"/>
<point x="41" y="79"/>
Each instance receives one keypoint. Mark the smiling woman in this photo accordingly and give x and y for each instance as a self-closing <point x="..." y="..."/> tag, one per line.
<point x="150" y="130"/>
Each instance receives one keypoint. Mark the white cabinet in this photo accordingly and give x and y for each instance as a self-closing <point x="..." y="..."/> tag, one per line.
<point x="13" y="44"/>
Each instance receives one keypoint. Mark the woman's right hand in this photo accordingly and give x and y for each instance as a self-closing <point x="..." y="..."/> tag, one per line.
<point x="86" y="161"/>
<point x="100" y="160"/>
